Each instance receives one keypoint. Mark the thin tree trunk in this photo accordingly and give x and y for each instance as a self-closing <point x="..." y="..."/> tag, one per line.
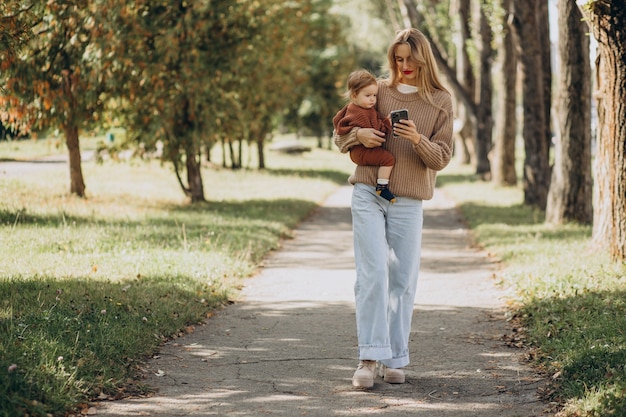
<point x="261" y="153"/>
<point x="460" y="10"/>
<point x="77" y="184"/>
<point x="543" y="24"/>
<point x="240" y="156"/>
<point x="207" y="148"/>
<point x="607" y="20"/>
<point x="484" y="92"/>
<point x="194" y="175"/>
<point x="223" y="144"/>
<point x="503" y="160"/>
<point x="570" y="193"/>
<point x="231" y="152"/>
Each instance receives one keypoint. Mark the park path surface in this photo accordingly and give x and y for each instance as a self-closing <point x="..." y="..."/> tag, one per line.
<point x="287" y="347"/>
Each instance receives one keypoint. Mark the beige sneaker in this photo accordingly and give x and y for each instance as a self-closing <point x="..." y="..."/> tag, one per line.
<point x="391" y="375"/>
<point x="364" y="375"/>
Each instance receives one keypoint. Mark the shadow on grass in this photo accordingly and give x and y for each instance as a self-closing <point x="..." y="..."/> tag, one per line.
<point x="513" y="215"/>
<point x="49" y="160"/>
<point x="585" y="333"/>
<point x="511" y="221"/>
<point x="70" y="339"/>
<point x="444" y="179"/>
<point x="250" y="228"/>
<point x="338" y="177"/>
<point x="253" y="209"/>
<point x="269" y="210"/>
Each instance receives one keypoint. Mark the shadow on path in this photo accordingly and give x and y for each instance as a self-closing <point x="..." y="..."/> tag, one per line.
<point x="288" y="348"/>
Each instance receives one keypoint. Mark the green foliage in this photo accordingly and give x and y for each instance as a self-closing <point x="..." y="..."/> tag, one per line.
<point x="438" y="19"/>
<point x="16" y="21"/>
<point x="206" y="72"/>
<point x="186" y="75"/>
<point x="330" y="61"/>
<point x="568" y="300"/>
<point x="370" y="25"/>
<point x="57" y="78"/>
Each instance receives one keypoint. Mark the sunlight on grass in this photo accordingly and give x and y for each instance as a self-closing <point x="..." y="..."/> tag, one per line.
<point x="45" y="146"/>
<point x="567" y="298"/>
<point x="89" y="287"/>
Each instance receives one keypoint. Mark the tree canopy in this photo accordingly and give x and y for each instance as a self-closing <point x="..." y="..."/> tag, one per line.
<point x="188" y="74"/>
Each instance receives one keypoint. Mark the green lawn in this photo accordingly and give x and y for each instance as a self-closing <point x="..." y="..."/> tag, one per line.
<point x="569" y="301"/>
<point x="90" y="287"/>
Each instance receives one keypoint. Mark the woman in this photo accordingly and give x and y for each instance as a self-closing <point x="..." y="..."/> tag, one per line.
<point x="388" y="237"/>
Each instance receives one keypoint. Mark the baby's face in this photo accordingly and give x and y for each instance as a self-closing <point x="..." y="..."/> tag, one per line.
<point x="366" y="98"/>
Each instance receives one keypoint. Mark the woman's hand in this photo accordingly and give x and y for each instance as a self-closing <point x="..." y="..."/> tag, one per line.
<point x="370" y="138"/>
<point x="406" y="129"/>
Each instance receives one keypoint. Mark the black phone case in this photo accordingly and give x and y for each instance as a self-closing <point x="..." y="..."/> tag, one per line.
<point x="398" y="115"/>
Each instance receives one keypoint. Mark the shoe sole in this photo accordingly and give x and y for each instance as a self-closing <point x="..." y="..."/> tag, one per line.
<point x="362" y="384"/>
<point x="394" y="379"/>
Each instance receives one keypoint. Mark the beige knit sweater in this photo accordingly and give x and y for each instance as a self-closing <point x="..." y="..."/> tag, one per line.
<point x="416" y="165"/>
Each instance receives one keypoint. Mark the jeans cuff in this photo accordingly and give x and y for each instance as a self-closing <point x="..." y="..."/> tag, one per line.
<point x="374" y="353"/>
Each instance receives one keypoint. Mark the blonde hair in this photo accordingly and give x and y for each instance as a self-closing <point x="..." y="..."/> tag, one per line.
<point x="357" y="81"/>
<point x="421" y="53"/>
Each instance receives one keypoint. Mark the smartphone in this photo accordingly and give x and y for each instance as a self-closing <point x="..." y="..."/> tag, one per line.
<point x="398" y="115"/>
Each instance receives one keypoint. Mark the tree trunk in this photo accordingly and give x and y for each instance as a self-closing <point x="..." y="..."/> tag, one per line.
<point x="484" y="92"/>
<point x="536" y="159"/>
<point x="240" y="156"/>
<point x="543" y="23"/>
<point x="570" y="193"/>
<point x="194" y="175"/>
<point x="223" y="144"/>
<point x="231" y="152"/>
<point x="607" y="20"/>
<point x="260" y="146"/>
<point x="460" y="10"/>
<point x="77" y="184"/>
<point x="503" y="158"/>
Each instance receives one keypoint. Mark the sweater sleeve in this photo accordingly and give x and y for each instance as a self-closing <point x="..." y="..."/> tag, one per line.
<point x="347" y="141"/>
<point x="436" y="151"/>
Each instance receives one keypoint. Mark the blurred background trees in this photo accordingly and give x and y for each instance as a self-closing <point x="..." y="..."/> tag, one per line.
<point x="193" y="75"/>
<point x="54" y="76"/>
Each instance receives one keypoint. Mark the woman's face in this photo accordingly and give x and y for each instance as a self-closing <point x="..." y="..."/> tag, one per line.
<point x="407" y="68"/>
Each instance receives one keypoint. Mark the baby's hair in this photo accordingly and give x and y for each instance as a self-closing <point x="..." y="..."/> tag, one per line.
<point x="357" y="81"/>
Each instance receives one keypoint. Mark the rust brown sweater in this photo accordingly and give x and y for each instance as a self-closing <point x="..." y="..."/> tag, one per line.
<point x="416" y="166"/>
<point x="354" y="116"/>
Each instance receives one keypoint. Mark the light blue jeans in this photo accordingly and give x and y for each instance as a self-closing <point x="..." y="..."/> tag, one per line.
<point x="387" y="250"/>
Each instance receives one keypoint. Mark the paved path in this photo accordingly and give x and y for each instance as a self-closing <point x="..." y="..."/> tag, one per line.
<point x="288" y="347"/>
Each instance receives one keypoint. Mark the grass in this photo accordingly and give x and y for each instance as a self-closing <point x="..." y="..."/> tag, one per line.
<point x="91" y="287"/>
<point x="569" y="300"/>
<point x="88" y="288"/>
